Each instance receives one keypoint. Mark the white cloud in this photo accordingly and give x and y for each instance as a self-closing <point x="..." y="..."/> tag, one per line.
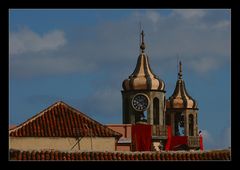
<point x="208" y="141"/>
<point x="102" y="104"/>
<point x="153" y="16"/>
<point x="102" y="99"/>
<point x="189" y="13"/>
<point x="220" y="141"/>
<point x="50" y="65"/>
<point x="203" y="43"/>
<point x="25" y="40"/>
<point x="222" y="24"/>
<point x="203" y="65"/>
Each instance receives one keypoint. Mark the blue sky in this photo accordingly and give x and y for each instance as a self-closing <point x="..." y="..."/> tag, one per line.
<point x="82" y="56"/>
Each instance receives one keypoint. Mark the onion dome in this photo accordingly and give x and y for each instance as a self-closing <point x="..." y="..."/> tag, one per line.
<point x="143" y="78"/>
<point x="180" y="98"/>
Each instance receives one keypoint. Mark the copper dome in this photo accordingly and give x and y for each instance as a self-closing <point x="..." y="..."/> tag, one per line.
<point x="180" y="98"/>
<point x="143" y="78"/>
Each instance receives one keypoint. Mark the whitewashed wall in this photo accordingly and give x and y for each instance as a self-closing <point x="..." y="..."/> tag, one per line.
<point x="58" y="143"/>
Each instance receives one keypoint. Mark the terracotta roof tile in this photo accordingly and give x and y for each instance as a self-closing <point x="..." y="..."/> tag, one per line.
<point x="61" y="120"/>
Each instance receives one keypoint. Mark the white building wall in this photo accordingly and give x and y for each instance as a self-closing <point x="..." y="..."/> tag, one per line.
<point x="59" y="143"/>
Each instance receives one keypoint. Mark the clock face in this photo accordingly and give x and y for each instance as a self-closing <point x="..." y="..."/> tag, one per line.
<point x="140" y="102"/>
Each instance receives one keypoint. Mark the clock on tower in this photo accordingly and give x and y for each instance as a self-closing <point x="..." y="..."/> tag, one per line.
<point x="143" y="93"/>
<point x="140" y="102"/>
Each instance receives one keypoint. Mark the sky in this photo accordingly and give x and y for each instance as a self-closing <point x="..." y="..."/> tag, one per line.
<point x="82" y="56"/>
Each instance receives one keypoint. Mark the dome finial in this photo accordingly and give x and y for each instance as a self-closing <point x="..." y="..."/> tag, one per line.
<point x="180" y="70"/>
<point x="142" y="46"/>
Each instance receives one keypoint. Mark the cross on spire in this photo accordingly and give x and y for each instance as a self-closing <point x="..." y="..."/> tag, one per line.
<point x="142" y="46"/>
<point x="180" y="70"/>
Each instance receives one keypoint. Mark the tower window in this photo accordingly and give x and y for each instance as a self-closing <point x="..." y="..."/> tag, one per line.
<point x="179" y="124"/>
<point x="156" y="111"/>
<point x="191" y="125"/>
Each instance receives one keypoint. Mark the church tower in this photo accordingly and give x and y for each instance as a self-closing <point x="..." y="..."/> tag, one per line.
<point x="143" y="95"/>
<point x="182" y="113"/>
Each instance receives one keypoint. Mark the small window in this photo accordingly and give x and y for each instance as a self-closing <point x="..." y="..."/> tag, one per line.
<point x="179" y="124"/>
<point x="156" y="111"/>
<point x="191" y="125"/>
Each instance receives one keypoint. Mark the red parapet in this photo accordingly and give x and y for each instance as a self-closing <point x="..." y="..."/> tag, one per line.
<point x="142" y="137"/>
<point x="168" y="144"/>
<point x="201" y="142"/>
<point x="177" y="141"/>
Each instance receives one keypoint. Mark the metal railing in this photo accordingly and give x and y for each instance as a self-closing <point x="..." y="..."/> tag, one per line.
<point x="158" y="130"/>
<point x="193" y="141"/>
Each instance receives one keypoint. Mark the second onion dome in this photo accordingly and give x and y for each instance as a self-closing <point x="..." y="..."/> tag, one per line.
<point x="143" y="78"/>
<point x="180" y="99"/>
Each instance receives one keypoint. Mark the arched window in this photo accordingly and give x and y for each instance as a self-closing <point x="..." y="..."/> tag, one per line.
<point x="191" y="125"/>
<point x="179" y="124"/>
<point x="155" y="111"/>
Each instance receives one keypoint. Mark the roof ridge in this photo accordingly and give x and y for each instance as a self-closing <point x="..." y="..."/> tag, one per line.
<point x="98" y="155"/>
<point x="67" y="107"/>
<point x="91" y="119"/>
<point x="35" y="116"/>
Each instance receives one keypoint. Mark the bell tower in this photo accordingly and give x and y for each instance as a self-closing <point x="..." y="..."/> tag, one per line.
<point x="143" y="95"/>
<point x="182" y="113"/>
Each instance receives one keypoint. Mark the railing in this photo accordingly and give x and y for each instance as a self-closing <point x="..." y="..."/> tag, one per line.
<point x="193" y="141"/>
<point x="158" y="130"/>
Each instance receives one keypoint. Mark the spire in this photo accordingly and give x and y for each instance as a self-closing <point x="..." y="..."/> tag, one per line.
<point x="143" y="77"/>
<point x="142" y="46"/>
<point x="180" y="70"/>
<point x="180" y="97"/>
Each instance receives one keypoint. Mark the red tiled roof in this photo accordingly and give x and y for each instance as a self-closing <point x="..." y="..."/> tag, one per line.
<point x="11" y="126"/>
<point x="144" y="156"/>
<point x="61" y="120"/>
